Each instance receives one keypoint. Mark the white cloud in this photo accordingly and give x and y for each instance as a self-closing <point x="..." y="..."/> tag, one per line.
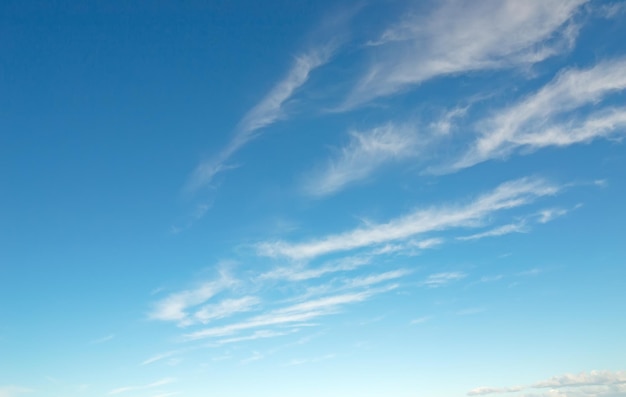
<point x="174" y="307"/>
<point x="367" y="281"/>
<point x="301" y="273"/>
<point x="429" y="243"/>
<point x="550" y="214"/>
<point x="593" y="378"/>
<point x="411" y="247"/>
<point x="159" y="383"/>
<point x="291" y="314"/>
<point x="445" y="124"/>
<point x="592" y="384"/>
<point x="552" y="116"/>
<point x="611" y="10"/>
<point x="465" y="35"/>
<point x="159" y="357"/>
<point x="441" y="279"/>
<point x="226" y="308"/>
<point x="506" y="196"/>
<point x="261" y="334"/>
<point x="519" y="227"/>
<point x="366" y="152"/>
<point x="269" y="110"/>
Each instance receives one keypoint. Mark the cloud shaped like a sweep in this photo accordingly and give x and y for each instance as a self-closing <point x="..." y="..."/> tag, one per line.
<point x="506" y="196"/>
<point x="268" y="111"/>
<point x="365" y="153"/>
<point x="555" y="115"/>
<point x="460" y="36"/>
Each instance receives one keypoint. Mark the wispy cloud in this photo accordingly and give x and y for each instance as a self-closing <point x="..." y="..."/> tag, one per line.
<point x="268" y="111"/>
<point x="594" y="383"/>
<point x="555" y="115"/>
<point x="296" y="313"/>
<point x="370" y="280"/>
<point x="593" y="378"/>
<point x="441" y="279"/>
<point x="365" y="153"/>
<point x="159" y="383"/>
<point x="303" y="272"/>
<point x="410" y="247"/>
<point x="226" y="308"/>
<point x="523" y="225"/>
<point x="506" y="196"/>
<point x="261" y="334"/>
<point x="550" y="214"/>
<point x="461" y="36"/>
<point x="519" y="227"/>
<point x="159" y="357"/>
<point x="174" y="306"/>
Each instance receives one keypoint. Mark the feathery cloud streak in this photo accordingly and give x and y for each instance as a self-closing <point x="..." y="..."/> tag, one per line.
<point x="365" y="152"/>
<point x="226" y="308"/>
<point x="547" y="118"/>
<point x="292" y="314"/>
<point x="269" y="110"/>
<point x="441" y="279"/>
<point x="507" y="195"/>
<point x="301" y="273"/>
<point x="462" y="36"/>
<point x="174" y="307"/>
<point x="498" y="231"/>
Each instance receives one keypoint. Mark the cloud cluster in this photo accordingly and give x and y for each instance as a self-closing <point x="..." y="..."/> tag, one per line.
<point x="437" y="39"/>
<point x="588" y="384"/>
<point x="327" y="287"/>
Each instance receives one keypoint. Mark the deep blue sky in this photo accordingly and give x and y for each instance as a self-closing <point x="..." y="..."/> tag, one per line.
<point x="312" y="198"/>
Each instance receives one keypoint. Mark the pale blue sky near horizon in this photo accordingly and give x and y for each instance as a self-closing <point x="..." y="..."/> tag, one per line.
<point x="353" y="198"/>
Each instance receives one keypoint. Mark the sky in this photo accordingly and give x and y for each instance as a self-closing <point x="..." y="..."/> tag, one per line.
<point x="339" y="198"/>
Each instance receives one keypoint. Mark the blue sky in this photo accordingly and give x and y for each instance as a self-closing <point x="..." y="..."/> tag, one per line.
<point x="313" y="198"/>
